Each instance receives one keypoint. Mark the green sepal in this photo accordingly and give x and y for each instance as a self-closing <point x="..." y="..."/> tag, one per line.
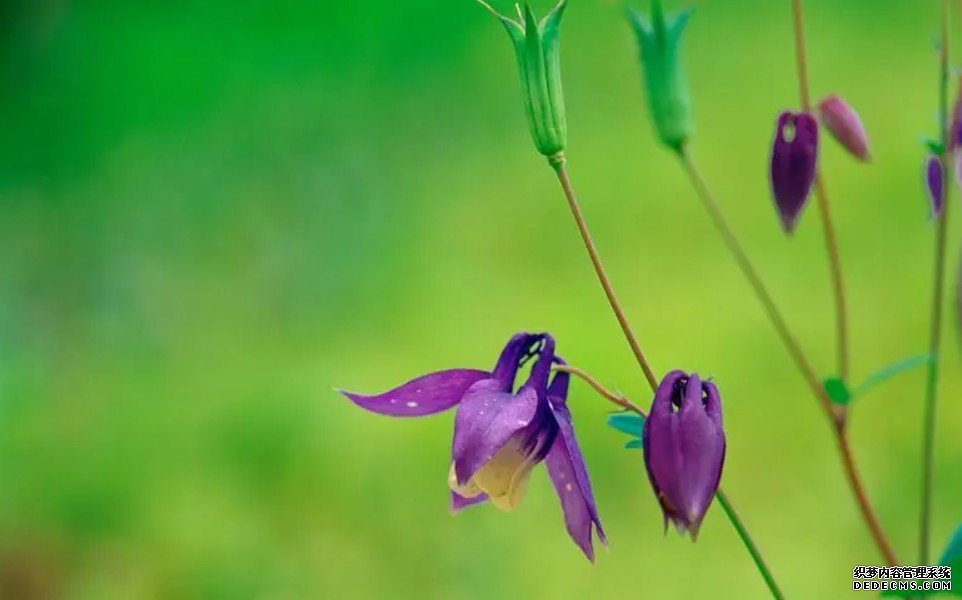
<point x="837" y="391"/>
<point x="537" y="50"/>
<point x="627" y="423"/>
<point x="659" y="42"/>
<point x="634" y="445"/>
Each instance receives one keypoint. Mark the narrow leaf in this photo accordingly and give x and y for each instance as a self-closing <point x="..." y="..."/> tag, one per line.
<point x="634" y="445"/>
<point x="630" y="424"/>
<point x="837" y="391"/>
<point x="886" y="373"/>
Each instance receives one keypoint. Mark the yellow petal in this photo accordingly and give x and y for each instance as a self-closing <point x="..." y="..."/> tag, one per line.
<point x="468" y="490"/>
<point x="504" y="478"/>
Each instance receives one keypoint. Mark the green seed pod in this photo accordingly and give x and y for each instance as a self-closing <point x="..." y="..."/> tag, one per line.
<point x="539" y="66"/>
<point x="659" y="41"/>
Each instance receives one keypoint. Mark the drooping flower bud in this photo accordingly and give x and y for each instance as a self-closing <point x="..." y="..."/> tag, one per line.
<point x="539" y="66"/>
<point x="502" y="431"/>
<point x="659" y="40"/>
<point x="934" y="184"/>
<point x="684" y="445"/>
<point x="844" y="124"/>
<point x="793" y="164"/>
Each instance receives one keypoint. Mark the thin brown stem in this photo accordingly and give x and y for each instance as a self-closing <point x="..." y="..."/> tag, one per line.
<point x="821" y="196"/>
<point x="861" y="496"/>
<point x="559" y="168"/>
<point x="836" y="416"/>
<point x="938" y="293"/>
<point x="612" y="397"/>
<point x="838" y="284"/>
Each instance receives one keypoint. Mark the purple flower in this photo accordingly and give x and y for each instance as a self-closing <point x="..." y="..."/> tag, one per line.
<point x="794" y="158"/>
<point x="502" y="433"/>
<point x="934" y="184"/>
<point x="844" y="124"/>
<point x="684" y="445"/>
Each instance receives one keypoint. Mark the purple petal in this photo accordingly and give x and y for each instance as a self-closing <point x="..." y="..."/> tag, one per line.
<point x="569" y="475"/>
<point x="702" y="446"/>
<point x="507" y="366"/>
<point x="459" y="502"/>
<point x="425" y="395"/>
<point x="661" y="459"/>
<point x="793" y="163"/>
<point x="934" y="181"/>
<point x="486" y="419"/>
<point x="685" y="448"/>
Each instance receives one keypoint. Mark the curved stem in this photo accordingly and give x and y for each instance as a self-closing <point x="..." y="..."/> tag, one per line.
<point x="612" y="397"/>
<point x="832" y="412"/>
<point x="935" y="331"/>
<point x="821" y="196"/>
<point x="558" y="164"/>
<point x="720" y="495"/>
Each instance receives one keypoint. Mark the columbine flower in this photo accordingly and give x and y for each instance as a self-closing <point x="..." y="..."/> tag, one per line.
<point x="659" y="40"/>
<point x="934" y="184"/>
<point x="684" y="445"/>
<point x="794" y="159"/>
<point x="844" y="124"/>
<point x="502" y="433"/>
<point x="539" y="65"/>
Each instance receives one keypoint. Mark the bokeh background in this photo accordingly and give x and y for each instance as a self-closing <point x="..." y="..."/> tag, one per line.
<point x="212" y="213"/>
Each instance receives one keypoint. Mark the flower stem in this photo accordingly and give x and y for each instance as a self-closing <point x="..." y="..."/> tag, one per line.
<point x="832" y="412"/>
<point x="749" y="543"/>
<point x="612" y="397"/>
<point x="821" y="196"/>
<point x="720" y="495"/>
<point x="935" y="332"/>
<point x="558" y="163"/>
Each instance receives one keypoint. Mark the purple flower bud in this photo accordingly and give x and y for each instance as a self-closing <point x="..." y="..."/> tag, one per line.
<point x="684" y="445"/>
<point x="934" y="180"/>
<point x="794" y="158"/>
<point x="844" y="124"/>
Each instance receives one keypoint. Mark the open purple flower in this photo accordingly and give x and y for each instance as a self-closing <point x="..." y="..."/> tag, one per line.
<point x="794" y="159"/>
<point x="684" y="445"/>
<point x="502" y="433"/>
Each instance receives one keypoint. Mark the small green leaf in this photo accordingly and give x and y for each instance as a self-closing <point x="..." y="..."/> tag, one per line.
<point x="837" y="391"/>
<point x="628" y="423"/>
<point x="634" y="445"/>
<point x="934" y="146"/>
<point x="886" y="373"/>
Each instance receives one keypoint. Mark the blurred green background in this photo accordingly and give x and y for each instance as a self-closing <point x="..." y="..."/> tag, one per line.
<point x="212" y="213"/>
